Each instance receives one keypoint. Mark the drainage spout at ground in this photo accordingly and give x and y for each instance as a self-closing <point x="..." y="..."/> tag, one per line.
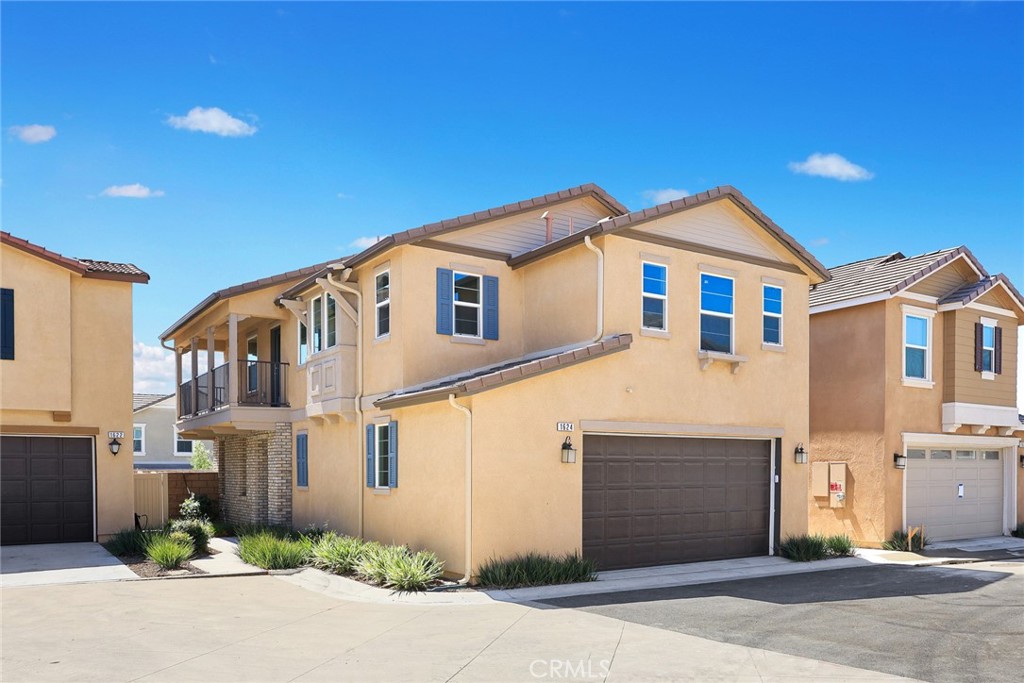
<point x="469" y="487"/>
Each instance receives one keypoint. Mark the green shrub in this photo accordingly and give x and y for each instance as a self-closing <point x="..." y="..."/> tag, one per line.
<point x="1018" y="530"/>
<point x="898" y="541"/>
<point x="839" y="545"/>
<point x="196" y="507"/>
<point x="533" y="569"/>
<point x="805" y="548"/>
<point x="127" y="542"/>
<point x="337" y="554"/>
<point x="169" y="551"/>
<point x="201" y="459"/>
<point x="200" y="531"/>
<point x="269" y="550"/>
<point x="411" y="571"/>
<point x="375" y="558"/>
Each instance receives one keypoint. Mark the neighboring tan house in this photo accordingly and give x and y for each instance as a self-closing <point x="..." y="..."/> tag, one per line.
<point x="65" y="379"/>
<point x="914" y="364"/>
<point x="156" y="443"/>
<point x="436" y="388"/>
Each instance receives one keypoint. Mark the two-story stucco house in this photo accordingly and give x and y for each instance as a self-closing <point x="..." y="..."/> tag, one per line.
<point x="554" y="375"/>
<point x="156" y="442"/>
<point x="913" y="398"/>
<point x="65" y="383"/>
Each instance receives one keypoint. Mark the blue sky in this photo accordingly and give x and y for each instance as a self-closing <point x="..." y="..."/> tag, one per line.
<point x="329" y="122"/>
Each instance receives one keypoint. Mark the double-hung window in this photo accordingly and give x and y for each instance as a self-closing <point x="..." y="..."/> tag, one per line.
<point x="988" y="348"/>
<point x="324" y="313"/>
<point x="382" y="455"/>
<point x="772" y="317"/>
<point x="139" y="439"/>
<point x="382" y="285"/>
<point x="917" y="352"/>
<point x="182" y="446"/>
<point x="303" y="342"/>
<point x="655" y="296"/>
<point x="318" y="325"/>
<point x="466" y="300"/>
<point x="716" y="313"/>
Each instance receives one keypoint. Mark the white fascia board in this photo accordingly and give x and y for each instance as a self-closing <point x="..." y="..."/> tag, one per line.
<point x="916" y="439"/>
<point x="979" y="414"/>
<point x="850" y="303"/>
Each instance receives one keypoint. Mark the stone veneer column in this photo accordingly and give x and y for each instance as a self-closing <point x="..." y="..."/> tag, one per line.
<point x="279" y="475"/>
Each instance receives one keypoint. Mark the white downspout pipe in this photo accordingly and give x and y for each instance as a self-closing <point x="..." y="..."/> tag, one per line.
<point x="345" y="275"/>
<point x="600" y="287"/>
<point x="469" y="487"/>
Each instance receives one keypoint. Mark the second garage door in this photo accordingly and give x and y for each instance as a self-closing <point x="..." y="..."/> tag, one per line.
<point x="955" y="493"/>
<point x="653" y="500"/>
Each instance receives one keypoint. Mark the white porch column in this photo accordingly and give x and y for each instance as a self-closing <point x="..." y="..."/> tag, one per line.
<point x="232" y="359"/>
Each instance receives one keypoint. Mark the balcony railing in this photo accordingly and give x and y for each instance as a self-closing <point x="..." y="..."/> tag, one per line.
<point x="260" y="383"/>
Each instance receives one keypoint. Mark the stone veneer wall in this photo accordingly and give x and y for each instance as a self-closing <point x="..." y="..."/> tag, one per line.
<point x="256" y="476"/>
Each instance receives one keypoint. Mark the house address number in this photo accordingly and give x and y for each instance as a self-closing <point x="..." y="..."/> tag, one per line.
<point x="566" y="426"/>
<point x="115" y="435"/>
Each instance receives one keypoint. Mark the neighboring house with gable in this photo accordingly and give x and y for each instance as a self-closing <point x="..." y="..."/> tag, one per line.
<point x="913" y="398"/>
<point x="65" y="379"/>
<point x="557" y="374"/>
<point x="156" y="443"/>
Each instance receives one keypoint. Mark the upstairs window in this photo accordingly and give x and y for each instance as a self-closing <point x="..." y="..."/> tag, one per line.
<point x="916" y="347"/>
<point x="318" y="325"/>
<point x="330" y="318"/>
<point x="771" y="332"/>
<point x="252" y="357"/>
<point x="466" y="299"/>
<point x="467" y="305"/>
<point x="716" y="313"/>
<point x="324" y="317"/>
<point x="655" y="296"/>
<point x="382" y="285"/>
<point x="6" y="324"/>
<point x="303" y="342"/>
<point x="139" y="439"/>
<point x="988" y="348"/>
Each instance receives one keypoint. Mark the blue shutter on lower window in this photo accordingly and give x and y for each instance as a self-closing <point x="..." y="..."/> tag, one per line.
<point x="444" y="301"/>
<point x="490" y="307"/>
<point x="370" y="474"/>
<point x="301" y="460"/>
<point x="7" y="324"/>
<point x="393" y="454"/>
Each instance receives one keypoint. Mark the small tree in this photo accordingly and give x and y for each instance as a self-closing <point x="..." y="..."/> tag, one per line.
<point x="201" y="457"/>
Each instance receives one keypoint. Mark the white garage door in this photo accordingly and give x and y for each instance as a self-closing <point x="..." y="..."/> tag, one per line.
<point x="955" y="493"/>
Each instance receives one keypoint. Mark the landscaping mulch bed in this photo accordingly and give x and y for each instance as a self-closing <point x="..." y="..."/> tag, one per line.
<point x="147" y="568"/>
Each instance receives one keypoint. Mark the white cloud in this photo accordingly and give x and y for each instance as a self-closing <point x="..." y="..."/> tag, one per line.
<point x="154" y="369"/>
<point x="134" y="191"/>
<point x="831" y="166"/>
<point x="33" y="134"/>
<point x="342" y="195"/>
<point x="363" y="242"/>
<point x="820" y="242"/>
<point x="213" y="120"/>
<point x="667" y="194"/>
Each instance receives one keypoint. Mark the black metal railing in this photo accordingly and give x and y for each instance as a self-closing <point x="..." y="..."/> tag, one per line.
<point x="207" y="397"/>
<point x="262" y="383"/>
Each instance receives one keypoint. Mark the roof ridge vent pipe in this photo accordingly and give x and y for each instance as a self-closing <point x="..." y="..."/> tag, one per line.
<point x="548" y="226"/>
<point x="469" y="487"/>
<point x="600" y="288"/>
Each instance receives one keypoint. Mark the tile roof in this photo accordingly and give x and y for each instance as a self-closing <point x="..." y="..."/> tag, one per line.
<point x="972" y="290"/>
<point x="886" y="274"/>
<point x="140" y="401"/>
<point x="103" y="270"/>
<point x="488" y="377"/>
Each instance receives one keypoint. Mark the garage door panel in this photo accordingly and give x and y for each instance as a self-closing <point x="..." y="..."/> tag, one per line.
<point x="44" y="489"/>
<point x="693" y="499"/>
<point x="645" y="472"/>
<point x="77" y="490"/>
<point x="670" y="525"/>
<point x="617" y="501"/>
<point x="694" y="524"/>
<point x="13" y="465"/>
<point x="670" y="498"/>
<point x="933" y="498"/>
<point x="618" y="473"/>
<point x="44" y="466"/>
<point x="76" y="467"/>
<point x="714" y="498"/>
<point x="715" y="522"/>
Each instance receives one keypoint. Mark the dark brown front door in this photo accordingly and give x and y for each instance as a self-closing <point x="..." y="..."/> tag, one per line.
<point x="46" y="490"/>
<point x="652" y="500"/>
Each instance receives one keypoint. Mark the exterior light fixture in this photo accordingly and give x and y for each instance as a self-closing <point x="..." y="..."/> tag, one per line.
<point x="114" y="446"/>
<point x="800" y="455"/>
<point x="568" y="452"/>
<point x="1022" y="460"/>
<point x="899" y="461"/>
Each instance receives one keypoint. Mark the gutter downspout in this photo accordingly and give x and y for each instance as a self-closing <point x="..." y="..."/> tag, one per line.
<point x="600" y="288"/>
<point x="469" y="487"/>
<point x="345" y="275"/>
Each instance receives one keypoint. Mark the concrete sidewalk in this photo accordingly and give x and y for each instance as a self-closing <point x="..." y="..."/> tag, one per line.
<point x="226" y="562"/>
<point x="263" y="628"/>
<point x="57" y="563"/>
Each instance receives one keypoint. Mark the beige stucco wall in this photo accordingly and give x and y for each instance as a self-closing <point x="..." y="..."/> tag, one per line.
<point x="94" y="364"/>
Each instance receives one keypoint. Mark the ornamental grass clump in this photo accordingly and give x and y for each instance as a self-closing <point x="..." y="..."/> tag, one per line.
<point x="127" y="542"/>
<point x="839" y="545"/>
<point x="898" y="541"/>
<point x="269" y="550"/>
<point x="374" y="560"/>
<point x="411" y="571"/>
<point x="806" y="548"/>
<point x="170" y="551"/>
<point x="337" y="554"/>
<point x="534" y="569"/>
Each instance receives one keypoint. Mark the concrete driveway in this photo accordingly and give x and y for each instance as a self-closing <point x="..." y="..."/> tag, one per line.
<point x="950" y="623"/>
<point x="264" y="628"/>
<point x="56" y="563"/>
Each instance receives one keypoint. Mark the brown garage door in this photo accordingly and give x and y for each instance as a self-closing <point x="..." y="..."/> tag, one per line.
<point x="653" y="500"/>
<point x="46" y="491"/>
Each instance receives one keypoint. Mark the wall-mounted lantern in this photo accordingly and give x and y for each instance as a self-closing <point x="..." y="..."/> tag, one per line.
<point x="1022" y="460"/>
<point x="114" y="446"/>
<point x="800" y="455"/>
<point x="899" y="461"/>
<point x="568" y="452"/>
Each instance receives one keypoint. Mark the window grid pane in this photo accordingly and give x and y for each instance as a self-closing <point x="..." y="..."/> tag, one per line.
<point x="332" y="328"/>
<point x="466" y="302"/>
<point x="716" y="305"/>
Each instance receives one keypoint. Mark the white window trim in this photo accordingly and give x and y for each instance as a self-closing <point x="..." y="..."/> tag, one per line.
<point x="377" y="456"/>
<point x="479" y="305"/>
<point x="731" y="316"/>
<point x="926" y="382"/>
<point x="387" y="302"/>
<point x="142" y="438"/>
<point x="780" y="316"/>
<point x="298" y="343"/>
<point x="174" y="446"/>
<point x="988" y="322"/>
<point x="324" y="327"/>
<point x="662" y="297"/>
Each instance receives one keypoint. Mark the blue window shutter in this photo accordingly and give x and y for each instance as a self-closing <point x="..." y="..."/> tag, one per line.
<point x="301" y="460"/>
<point x="393" y="453"/>
<point x="444" y="301"/>
<point x="371" y="476"/>
<point x="7" y="324"/>
<point x="490" y="307"/>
